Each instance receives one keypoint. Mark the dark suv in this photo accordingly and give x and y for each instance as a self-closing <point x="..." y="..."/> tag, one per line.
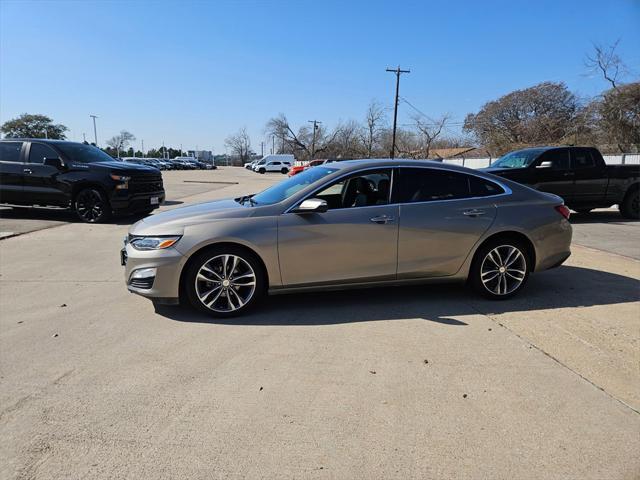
<point x="78" y="176"/>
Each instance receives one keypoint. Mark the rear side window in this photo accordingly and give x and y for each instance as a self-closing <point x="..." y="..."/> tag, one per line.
<point x="425" y="185"/>
<point x="10" y="151"/>
<point x="479" y="187"/>
<point x="582" y="159"/>
<point x="559" y="159"/>
<point x="38" y="152"/>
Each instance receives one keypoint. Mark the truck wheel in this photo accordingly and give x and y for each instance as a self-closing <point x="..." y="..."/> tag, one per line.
<point x="92" y="206"/>
<point x="630" y="206"/>
<point x="224" y="281"/>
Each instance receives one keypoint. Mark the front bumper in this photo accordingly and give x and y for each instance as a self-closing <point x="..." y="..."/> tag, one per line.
<point x="136" y="202"/>
<point x="168" y="265"/>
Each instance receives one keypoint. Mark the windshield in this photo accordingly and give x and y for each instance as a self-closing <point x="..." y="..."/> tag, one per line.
<point x="518" y="159"/>
<point x="285" y="189"/>
<point x="79" y="152"/>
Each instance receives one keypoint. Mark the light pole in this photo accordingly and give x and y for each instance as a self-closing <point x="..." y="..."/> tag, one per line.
<point x="313" y="143"/>
<point x="95" y="132"/>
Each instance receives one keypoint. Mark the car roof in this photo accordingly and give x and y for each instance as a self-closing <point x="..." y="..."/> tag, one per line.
<point x="41" y="140"/>
<point x="349" y="165"/>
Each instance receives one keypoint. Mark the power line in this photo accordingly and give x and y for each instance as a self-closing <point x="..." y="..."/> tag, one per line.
<point x="398" y="72"/>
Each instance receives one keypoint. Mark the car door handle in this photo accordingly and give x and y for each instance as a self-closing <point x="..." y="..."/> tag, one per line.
<point x="568" y="174"/>
<point x="474" y="212"/>
<point x="382" y="219"/>
<point x="27" y="170"/>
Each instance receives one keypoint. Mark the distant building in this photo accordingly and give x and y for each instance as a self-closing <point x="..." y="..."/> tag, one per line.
<point x="201" y="155"/>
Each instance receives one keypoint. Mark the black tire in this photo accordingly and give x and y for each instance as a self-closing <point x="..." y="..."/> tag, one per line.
<point x="262" y="171"/>
<point x="583" y="211"/>
<point x="92" y="206"/>
<point x="630" y="206"/>
<point x="482" y="266"/>
<point x="284" y="171"/>
<point x="195" y="288"/>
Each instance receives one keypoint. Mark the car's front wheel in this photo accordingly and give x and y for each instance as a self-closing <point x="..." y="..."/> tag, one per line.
<point x="500" y="269"/>
<point x="92" y="206"/>
<point x="224" y="282"/>
<point x="262" y="170"/>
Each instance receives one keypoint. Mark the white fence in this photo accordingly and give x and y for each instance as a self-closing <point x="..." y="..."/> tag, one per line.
<point x="622" y="159"/>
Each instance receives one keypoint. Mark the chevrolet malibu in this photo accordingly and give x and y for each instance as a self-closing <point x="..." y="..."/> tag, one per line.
<point x="349" y="224"/>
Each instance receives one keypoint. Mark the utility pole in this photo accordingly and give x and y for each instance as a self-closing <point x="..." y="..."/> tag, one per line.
<point x="142" y="148"/>
<point x="84" y="138"/>
<point x="398" y="72"/>
<point x="313" y="142"/>
<point x="273" y="144"/>
<point x="95" y="132"/>
<point x="262" y="149"/>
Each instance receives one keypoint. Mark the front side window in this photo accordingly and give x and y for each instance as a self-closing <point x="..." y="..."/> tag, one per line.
<point x="360" y="190"/>
<point x="428" y="185"/>
<point x="10" y="151"/>
<point x="283" y="190"/>
<point x="38" y="152"/>
<point x="559" y="159"/>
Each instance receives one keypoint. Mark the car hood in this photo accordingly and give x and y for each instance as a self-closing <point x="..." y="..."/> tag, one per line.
<point x="116" y="166"/>
<point x="173" y="221"/>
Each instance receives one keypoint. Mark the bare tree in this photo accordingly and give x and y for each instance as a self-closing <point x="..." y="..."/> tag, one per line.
<point x="429" y="131"/>
<point x="605" y="61"/>
<point x="121" y="141"/>
<point x="374" y="118"/>
<point x="240" y="144"/>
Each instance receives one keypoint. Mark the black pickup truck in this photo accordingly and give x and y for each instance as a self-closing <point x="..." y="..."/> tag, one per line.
<point x="577" y="174"/>
<point x="78" y="176"/>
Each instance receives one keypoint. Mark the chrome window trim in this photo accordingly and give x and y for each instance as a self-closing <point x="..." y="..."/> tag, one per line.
<point x="507" y="190"/>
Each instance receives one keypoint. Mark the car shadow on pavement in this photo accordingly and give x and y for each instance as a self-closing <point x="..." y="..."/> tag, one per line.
<point x="564" y="287"/>
<point x="59" y="215"/>
<point x="603" y="216"/>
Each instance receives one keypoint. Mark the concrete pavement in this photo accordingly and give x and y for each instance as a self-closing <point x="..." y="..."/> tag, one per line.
<point x="420" y="382"/>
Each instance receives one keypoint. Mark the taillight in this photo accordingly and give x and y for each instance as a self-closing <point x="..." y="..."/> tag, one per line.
<point x="564" y="211"/>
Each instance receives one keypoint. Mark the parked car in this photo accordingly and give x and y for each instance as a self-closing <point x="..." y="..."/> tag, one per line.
<point x="301" y="168"/>
<point x="81" y="177"/>
<point x="280" y="157"/>
<point x="347" y="224"/>
<point x="577" y="174"/>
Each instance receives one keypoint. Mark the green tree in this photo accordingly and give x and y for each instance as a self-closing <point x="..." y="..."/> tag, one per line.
<point x="33" y="126"/>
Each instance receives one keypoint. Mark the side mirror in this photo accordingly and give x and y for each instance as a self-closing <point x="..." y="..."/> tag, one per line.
<point x="54" y="162"/>
<point x="312" y="205"/>
<point x="546" y="164"/>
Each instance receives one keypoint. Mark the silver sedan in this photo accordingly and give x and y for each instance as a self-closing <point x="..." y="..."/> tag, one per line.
<point x="349" y="224"/>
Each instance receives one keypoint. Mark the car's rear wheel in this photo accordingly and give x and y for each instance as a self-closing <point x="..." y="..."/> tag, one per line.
<point x="284" y="170"/>
<point x="224" y="282"/>
<point x="92" y="206"/>
<point x="630" y="206"/>
<point x="500" y="269"/>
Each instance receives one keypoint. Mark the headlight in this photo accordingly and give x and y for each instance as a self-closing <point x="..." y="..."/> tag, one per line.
<point x="153" y="243"/>
<point x="121" y="178"/>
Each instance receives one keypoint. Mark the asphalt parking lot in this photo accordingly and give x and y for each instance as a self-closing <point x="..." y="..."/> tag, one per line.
<point x="420" y="382"/>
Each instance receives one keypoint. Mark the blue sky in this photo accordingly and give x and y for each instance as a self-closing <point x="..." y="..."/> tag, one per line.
<point x="191" y="72"/>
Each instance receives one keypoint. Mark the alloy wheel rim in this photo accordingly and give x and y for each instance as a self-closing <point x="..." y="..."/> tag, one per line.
<point x="225" y="283"/>
<point x="90" y="206"/>
<point x="503" y="270"/>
